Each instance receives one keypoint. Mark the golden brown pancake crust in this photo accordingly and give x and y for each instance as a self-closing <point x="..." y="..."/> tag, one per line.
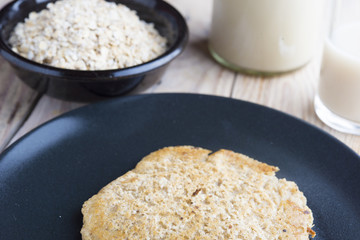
<point x="185" y="192"/>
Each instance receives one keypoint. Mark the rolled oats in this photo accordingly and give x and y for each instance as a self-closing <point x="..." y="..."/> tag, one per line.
<point x="87" y="35"/>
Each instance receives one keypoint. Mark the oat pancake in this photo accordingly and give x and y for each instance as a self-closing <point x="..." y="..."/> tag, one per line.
<point x="190" y="193"/>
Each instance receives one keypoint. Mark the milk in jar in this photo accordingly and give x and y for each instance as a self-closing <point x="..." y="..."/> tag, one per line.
<point x="264" y="36"/>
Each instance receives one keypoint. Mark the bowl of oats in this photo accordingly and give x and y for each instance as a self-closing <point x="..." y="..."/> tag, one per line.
<point x="84" y="50"/>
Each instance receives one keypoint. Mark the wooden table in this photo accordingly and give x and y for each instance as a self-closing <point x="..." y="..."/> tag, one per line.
<point x="22" y="109"/>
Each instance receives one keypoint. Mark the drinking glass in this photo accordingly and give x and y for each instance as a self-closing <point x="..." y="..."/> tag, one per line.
<point x="337" y="102"/>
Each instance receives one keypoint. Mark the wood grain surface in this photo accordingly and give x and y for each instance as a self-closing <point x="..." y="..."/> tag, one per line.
<point x="22" y="109"/>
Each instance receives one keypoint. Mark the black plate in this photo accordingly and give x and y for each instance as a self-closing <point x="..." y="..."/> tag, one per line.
<point x="47" y="175"/>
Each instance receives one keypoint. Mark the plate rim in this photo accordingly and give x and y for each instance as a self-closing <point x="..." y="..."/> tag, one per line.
<point x="146" y="95"/>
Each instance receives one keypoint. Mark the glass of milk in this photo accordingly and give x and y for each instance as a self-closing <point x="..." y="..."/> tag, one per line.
<point x="337" y="102"/>
<point x="264" y="36"/>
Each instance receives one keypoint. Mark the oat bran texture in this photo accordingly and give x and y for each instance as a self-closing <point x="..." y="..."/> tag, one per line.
<point x="186" y="192"/>
<point x="87" y="35"/>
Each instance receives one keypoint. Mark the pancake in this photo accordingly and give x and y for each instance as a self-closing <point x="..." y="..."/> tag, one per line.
<point x="185" y="192"/>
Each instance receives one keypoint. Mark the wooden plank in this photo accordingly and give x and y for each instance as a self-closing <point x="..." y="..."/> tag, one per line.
<point x="16" y="102"/>
<point x="194" y="71"/>
<point x="46" y="109"/>
<point x="291" y="93"/>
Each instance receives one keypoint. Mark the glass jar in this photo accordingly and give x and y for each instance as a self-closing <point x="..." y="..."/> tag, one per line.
<point x="264" y="36"/>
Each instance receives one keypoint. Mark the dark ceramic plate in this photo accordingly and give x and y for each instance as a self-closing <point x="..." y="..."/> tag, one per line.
<point x="47" y="175"/>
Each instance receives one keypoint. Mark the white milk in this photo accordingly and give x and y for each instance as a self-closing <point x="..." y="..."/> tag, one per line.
<point x="339" y="85"/>
<point x="265" y="35"/>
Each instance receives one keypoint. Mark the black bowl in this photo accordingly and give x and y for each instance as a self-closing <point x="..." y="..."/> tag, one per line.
<point x="78" y="85"/>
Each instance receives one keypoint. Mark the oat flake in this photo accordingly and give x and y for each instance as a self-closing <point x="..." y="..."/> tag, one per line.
<point x="87" y="35"/>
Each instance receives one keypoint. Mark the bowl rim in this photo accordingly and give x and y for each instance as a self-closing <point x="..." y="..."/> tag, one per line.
<point x="18" y="61"/>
